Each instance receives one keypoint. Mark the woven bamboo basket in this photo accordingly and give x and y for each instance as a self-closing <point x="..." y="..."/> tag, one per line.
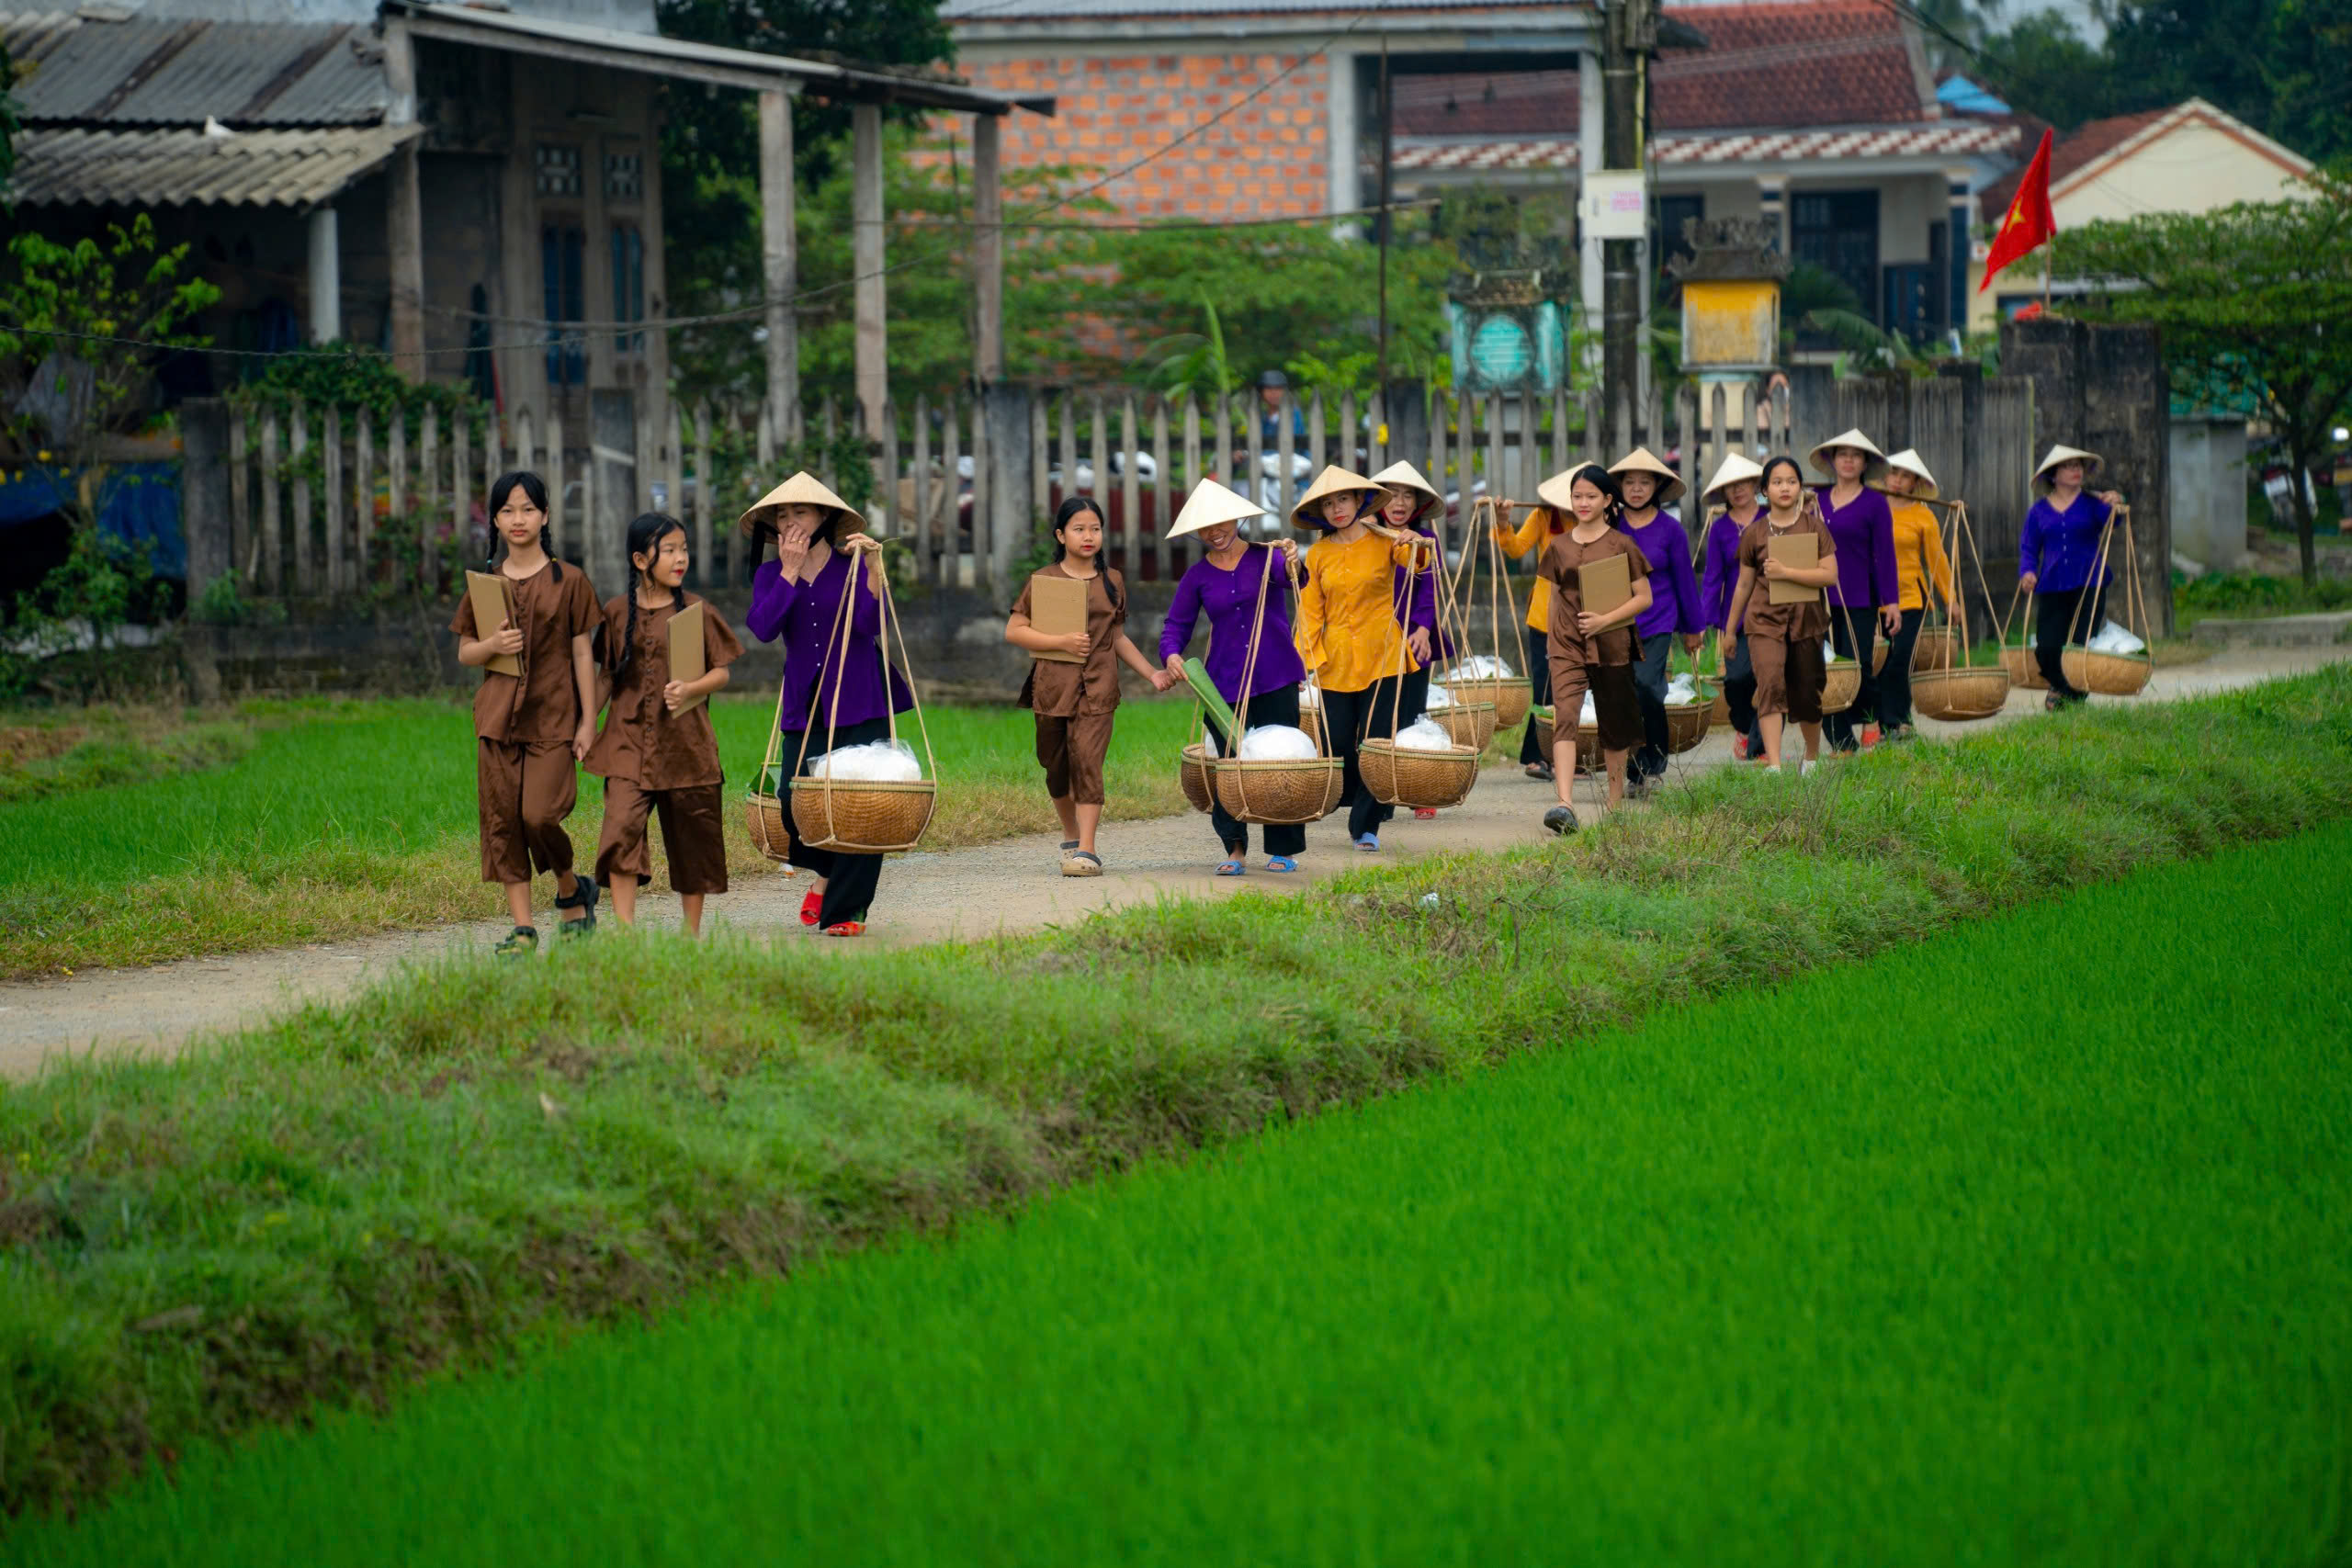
<point x="1192" y="775"/>
<point x="1936" y="648"/>
<point x="1687" y="724"/>
<point x="1399" y="775"/>
<point x="1542" y="719"/>
<point x="1512" y="696"/>
<point x="1283" y="791"/>
<point x="1719" y="711"/>
<point x="2024" y="670"/>
<point x="1878" y="655"/>
<point x="764" y="814"/>
<point x="2110" y="674"/>
<point x="1468" y="724"/>
<point x="1959" y="694"/>
<point x="863" y="817"/>
<point x="1842" y="686"/>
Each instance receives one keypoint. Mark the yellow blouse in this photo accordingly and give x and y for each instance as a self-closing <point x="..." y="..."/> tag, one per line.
<point x="1516" y="542"/>
<point x="1348" y="613"/>
<point x="1918" y="551"/>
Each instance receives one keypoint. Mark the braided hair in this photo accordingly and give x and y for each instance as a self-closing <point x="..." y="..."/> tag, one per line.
<point x="535" y="491"/>
<point x="646" y="531"/>
<point x="1068" y="511"/>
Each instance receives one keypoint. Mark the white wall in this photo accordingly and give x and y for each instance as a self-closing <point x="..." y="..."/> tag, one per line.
<point x="2195" y="167"/>
<point x="2205" y="491"/>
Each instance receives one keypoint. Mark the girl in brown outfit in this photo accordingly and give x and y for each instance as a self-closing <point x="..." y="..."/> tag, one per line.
<point x="531" y="729"/>
<point x="1589" y="652"/>
<point x="657" y="752"/>
<point x="1075" y="703"/>
<point x="1784" y="640"/>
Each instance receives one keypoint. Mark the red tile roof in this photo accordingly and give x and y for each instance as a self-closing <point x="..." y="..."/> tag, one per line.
<point x="2093" y="139"/>
<point x="1793" y="64"/>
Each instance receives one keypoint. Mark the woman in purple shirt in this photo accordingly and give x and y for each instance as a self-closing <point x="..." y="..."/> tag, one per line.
<point x="1861" y="526"/>
<point x="2057" y="556"/>
<point x="1647" y="485"/>
<point x="1734" y="490"/>
<point x="1239" y="589"/>
<point x="811" y="542"/>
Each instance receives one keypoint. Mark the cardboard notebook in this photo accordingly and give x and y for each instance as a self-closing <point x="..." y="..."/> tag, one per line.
<point x="686" y="651"/>
<point x="494" y="604"/>
<point x="1605" y="584"/>
<point x="1058" y="608"/>
<point x="1802" y="551"/>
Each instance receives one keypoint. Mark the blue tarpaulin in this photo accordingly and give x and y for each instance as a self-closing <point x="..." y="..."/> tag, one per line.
<point x="139" y="504"/>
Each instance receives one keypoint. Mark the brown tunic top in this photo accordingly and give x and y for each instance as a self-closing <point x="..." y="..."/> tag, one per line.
<point x="642" y="740"/>
<point x="1064" y="691"/>
<point x="1782" y="622"/>
<point x="541" y="705"/>
<point x="1561" y="558"/>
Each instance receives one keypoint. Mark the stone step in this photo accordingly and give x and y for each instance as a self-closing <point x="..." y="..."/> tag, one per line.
<point x="2277" y="631"/>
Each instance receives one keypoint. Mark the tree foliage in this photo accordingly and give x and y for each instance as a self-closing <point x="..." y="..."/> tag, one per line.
<point x="2255" y="298"/>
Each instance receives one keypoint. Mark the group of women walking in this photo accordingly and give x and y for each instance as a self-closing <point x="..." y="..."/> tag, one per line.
<point x="1351" y="626"/>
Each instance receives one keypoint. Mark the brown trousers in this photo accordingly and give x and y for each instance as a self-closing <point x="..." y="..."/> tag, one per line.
<point x="1789" y="676"/>
<point x="1073" y="751"/>
<point x="1616" y="706"/>
<point x="525" y="791"/>
<point x="692" y="833"/>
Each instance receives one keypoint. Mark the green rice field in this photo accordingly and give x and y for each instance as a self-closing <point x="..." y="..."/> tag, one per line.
<point x="2030" y="1242"/>
<point x="344" y="817"/>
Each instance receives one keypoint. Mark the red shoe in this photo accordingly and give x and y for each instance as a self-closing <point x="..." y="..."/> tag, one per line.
<point x="847" y="928"/>
<point x="1870" y="735"/>
<point x="1425" y="814"/>
<point x="1739" y="748"/>
<point x="808" y="906"/>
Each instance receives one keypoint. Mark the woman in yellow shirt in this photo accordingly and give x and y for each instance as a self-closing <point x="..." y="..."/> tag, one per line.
<point x="1541" y="525"/>
<point x="1351" y="628"/>
<point x="1918" y="556"/>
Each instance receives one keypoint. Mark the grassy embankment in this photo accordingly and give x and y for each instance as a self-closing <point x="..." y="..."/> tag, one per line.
<point x="330" y="820"/>
<point x="2031" y="1243"/>
<point x="470" y="1156"/>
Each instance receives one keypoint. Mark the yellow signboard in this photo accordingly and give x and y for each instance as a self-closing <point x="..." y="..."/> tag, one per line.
<point x="1731" y="323"/>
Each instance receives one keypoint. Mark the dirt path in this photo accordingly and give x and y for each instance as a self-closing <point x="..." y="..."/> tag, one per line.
<point x="969" y="893"/>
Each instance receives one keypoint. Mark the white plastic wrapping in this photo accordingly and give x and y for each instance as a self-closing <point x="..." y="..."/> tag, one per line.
<point x="1277" y="742"/>
<point x="1682" y="688"/>
<point x="1424" y="735"/>
<point x="1589" y="715"/>
<point x="1480" y="667"/>
<point x="2114" y="637"/>
<point x="876" y="761"/>
<point x="1439" y="698"/>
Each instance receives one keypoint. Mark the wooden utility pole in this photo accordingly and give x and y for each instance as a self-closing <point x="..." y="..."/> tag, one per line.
<point x="1386" y="218"/>
<point x="1629" y="38"/>
<point x="779" y="264"/>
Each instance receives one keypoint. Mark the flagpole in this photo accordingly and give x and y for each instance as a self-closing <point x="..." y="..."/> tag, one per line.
<point x="2046" y="277"/>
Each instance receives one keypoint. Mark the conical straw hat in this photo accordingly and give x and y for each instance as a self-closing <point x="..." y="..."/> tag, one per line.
<point x="1873" y="460"/>
<point x="1405" y="477"/>
<point x="2062" y="452"/>
<point x="1308" y="512"/>
<point x="1554" y="491"/>
<point x="1735" y="467"/>
<point x="1640" y="461"/>
<point x="803" y="489"/>
<point x="1911" y="463"/>
<point x="1210" y="504"/>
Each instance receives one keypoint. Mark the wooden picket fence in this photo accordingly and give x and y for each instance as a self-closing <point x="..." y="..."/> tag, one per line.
<point x="327" y="502"/>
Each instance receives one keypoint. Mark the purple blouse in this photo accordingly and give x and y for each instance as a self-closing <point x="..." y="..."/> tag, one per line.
<point x="2062" y="547"/>
<point x="1673" y="589"/>
<point x="1231" y="599"/>
<point x="803" y="613"/>
<point x="1423" y="610"/>
<point x="1861" y="535"/>
<point x="1721" y="577"/>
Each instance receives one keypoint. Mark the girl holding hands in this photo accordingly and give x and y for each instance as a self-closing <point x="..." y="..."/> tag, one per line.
<point x="531" y="729"/>
<point x="1075" y="703"/>
<point x="1590" y="651"/>
<point x="1734" y="490"/>
<point x="1784" y="640"/>
<point x="657" y="753"/>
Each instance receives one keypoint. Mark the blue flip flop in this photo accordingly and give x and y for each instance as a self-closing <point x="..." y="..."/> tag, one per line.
<point x="1369" y="843"/>
<point x="1281" y="863"/>
<point x="1231" y="868"/>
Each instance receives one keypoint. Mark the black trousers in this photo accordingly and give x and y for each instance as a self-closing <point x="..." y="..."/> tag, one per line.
<point x="1355" y="717"/>
<point x="1739" y="695"/>
<point x="1277" y="706"/>
<point x="1539" y="678"/>
<point x="2056" y="616"/>
<point x="1853" y="631"/>
<point x="1894" y="684"/>
<point x="1649" y="693"/>
<point x="850" y="880"/>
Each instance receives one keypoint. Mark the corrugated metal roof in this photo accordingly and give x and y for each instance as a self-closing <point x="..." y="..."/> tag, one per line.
<point x="165" y="168"/>
<point x="73" y="71"/>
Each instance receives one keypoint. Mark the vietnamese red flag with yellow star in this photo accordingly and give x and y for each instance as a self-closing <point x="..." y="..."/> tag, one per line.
<point x="2029" y="222"/>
